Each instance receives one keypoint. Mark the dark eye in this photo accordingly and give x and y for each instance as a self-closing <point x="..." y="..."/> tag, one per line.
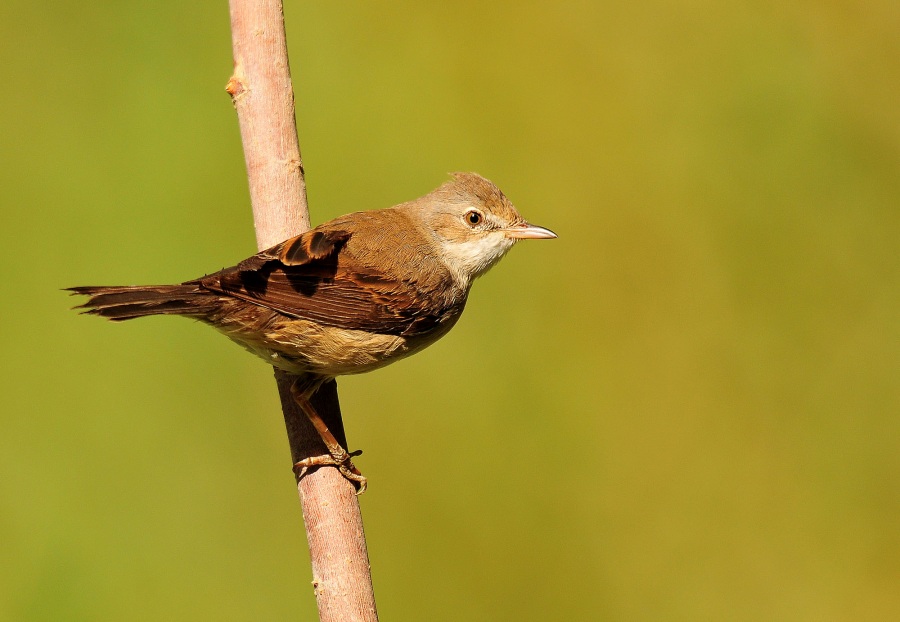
<point x="473" y="217"/>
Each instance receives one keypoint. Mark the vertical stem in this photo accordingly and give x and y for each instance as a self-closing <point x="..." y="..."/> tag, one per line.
<point x="263" y="97"/>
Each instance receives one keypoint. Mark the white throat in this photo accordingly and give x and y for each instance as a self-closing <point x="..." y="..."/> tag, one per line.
<point x="472" y="258"/>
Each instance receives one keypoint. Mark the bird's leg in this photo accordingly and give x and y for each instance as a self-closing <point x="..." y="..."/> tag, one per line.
<point x="337" y="455"/>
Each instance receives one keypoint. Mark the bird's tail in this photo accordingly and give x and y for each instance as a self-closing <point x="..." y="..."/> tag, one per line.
<point x="128" y="302"/>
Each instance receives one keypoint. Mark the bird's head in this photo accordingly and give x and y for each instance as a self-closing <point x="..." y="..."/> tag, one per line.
<point x="474" y="224"/>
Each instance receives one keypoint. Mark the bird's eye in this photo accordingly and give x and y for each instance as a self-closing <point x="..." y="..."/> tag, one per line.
<point x="473" y="217"/>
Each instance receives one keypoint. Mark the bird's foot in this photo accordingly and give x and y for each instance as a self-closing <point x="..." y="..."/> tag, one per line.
<point x="340" y="458"/>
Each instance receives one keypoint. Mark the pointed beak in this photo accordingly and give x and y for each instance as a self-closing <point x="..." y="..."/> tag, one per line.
<point x="527" y="231"/>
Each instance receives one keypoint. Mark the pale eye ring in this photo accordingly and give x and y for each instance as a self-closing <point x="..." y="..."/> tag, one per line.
<point x="473" y="217"/>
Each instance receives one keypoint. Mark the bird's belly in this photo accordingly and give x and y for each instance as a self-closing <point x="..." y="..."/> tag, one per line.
<point x="329" y="351"/>
<point x="300" y="346"/>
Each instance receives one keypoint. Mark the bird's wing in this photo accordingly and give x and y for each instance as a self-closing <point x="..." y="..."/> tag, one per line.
<point x="312" y="277"/>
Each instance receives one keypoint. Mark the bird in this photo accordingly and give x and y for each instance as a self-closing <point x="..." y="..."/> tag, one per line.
<point x="349" y="296"/>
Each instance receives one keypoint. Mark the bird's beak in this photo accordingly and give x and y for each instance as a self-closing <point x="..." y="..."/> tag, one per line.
<point x="527" y="231"/>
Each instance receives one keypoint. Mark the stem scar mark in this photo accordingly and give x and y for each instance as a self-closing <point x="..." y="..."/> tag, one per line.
<point x="236" y="88"/>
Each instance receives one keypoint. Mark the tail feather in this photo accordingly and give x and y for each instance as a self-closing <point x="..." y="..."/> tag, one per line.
<point x="129" y="302"/>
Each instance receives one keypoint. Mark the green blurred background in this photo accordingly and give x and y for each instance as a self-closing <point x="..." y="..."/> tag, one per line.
<point x="686" y="408"/>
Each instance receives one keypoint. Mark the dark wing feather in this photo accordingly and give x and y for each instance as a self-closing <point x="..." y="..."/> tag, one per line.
<point x="312" y="246"/>
<point x="309" y="277"/>
<point x="303" y="249"/>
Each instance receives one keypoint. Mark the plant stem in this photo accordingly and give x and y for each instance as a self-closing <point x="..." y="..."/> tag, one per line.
<point x="262" y="94"/>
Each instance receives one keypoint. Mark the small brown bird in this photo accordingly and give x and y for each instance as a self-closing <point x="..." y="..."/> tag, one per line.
<point x="349" y="296"/>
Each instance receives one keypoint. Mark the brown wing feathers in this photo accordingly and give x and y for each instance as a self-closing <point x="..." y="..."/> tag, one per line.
<point x="309" y="277"/>
<point x="311" y="246"/>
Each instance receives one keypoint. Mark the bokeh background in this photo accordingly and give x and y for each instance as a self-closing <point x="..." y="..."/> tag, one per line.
<point x="685" y="408"/>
